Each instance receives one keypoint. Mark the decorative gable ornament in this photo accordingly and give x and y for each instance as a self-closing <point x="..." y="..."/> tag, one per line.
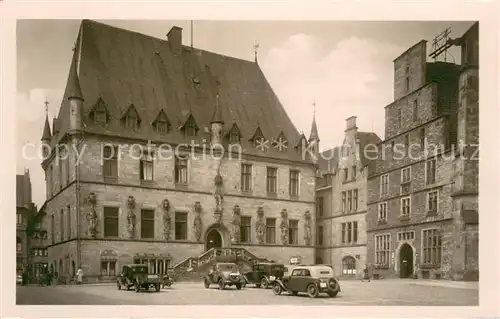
<point x="280" y="143"/>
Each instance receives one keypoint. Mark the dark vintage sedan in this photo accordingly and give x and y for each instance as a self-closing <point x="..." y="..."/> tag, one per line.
<point x="312" y="280"/>
<point x="137" y="276"/>
<point x="263" y="275"/>
<point x="224" y="275"/>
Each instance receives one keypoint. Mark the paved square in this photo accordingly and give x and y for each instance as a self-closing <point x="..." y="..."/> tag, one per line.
<point x="379" y="293"/>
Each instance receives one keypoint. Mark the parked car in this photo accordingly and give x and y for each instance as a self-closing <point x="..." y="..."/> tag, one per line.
<point x="263" y="275"/>
<point x="137" y="276"/>
<point x="224" y="274"/>
<point x="312" y="280"/>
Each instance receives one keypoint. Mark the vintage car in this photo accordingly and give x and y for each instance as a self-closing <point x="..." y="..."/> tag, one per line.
<point x="137" y="276"/>
<point x="312" y="280"/>
<point x="224" y="274"/>
<point x="263" y="275"/>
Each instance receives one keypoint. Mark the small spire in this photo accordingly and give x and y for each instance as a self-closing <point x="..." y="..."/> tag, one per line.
<point x="217" y="116"/>
<point x="314" y="128"/>
<point x="46" y="129"/>
<point x="73" y="89"/>
<point x="255" y="50"/>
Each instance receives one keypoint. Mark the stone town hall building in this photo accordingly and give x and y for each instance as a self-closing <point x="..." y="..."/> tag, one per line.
<point x="125" y="204"/>
<point x="422" y="215"/>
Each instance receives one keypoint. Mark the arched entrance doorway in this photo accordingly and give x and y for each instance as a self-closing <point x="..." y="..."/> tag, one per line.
<point x="213" y="240"/>
<point x="405" y="261"/>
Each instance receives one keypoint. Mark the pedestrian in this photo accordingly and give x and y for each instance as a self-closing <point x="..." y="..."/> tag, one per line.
<point x="366" y="274"/>
<point x="79" y="276"/>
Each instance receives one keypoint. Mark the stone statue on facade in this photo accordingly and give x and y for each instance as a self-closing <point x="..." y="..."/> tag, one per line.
<point x="307" y="228"/>
<point x="197" y="225"/>
<point x="167" y="221"/>
<point x="260" y="226"/>
<point x="236" y="223"/>
<point x="131" y="217"/>
<point x="218" y="195"/>
<point x="92" y="216"/>
<point x="284" y="226"/>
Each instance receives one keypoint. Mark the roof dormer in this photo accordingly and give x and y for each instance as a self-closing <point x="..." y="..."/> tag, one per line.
<point x="281" y="142"/>
<point x="234" y="134"/>
<point x="190" y="128"/>
<point x="131" y="119"/>
<point x="161" y="124"/>
<point x="99" y="114"/>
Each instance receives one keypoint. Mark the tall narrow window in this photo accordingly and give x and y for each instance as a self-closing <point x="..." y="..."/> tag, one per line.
<point x="293" y="232"/>
<point x="320" y="235"/>
<point x="407" y="79"/>
<point x="406" y="175"/>
<point x="271" y="230"/>
<point x="111" y="222"/>
<point x="68" y="221"/>
<point x="382" y="211"/>
<point x="344" y="235"/>
<point x="382" y="249"/>
<point x="405" y="206"/>
<point x="181" y="170"/>
<point x="272" y="173"/>
<point x="349" y="233"/>
<point x="320" y="205"/>
<point x="432" y="201"/>
<point x="349" y="200"/>
<point x="415" y="110"/>
<point x="61" y="173"/>
<point x="246" y="177"/>
<point x="245" y="229"/>
<point x="384" y="184"/>
<point x="294" y="183"/>
<point x="400" y="118"/>
<point x="407" y="144"/>
<point x="61" y="225"/>
<point x="355" y="200"/>
<point x="353" y="172"/>
<point x="354" y="232"/>
<point x="146" y="166"/>
<point x="422" y="138"/>
<point x="344" y="202"/>
<point x="181" y="225"/>
<point x="430" y="170"/>
<point x="346" y="174"/>
<point x="147" y="223"/>
<point x="110" y="161"/>
<point x="67" y="167"/>
<point x="432" y="245"/>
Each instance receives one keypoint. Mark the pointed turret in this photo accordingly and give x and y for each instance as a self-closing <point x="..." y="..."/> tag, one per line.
<point x="46" y="136"/>
<point x="74" y="95"/>
<point x="73" y="89"/>
<point x="217" y="123"/>
<point x="314" y="138"/>
<point x="314" y="131"/>
<point x="217" y="115"/>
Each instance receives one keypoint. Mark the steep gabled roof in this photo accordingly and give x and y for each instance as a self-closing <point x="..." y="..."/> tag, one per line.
<point x="366" y="157"/>
<point x="124" y="67"/>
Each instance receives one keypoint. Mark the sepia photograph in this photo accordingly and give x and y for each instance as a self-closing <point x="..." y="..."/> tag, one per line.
<point x="247" y="162"/>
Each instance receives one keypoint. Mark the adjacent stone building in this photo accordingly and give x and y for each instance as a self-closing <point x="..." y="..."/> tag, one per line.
<point x="422" y="201"/>
<point x="114" y="200"/>
<point x="341" y="201"/>
<point x="25" y="208"/>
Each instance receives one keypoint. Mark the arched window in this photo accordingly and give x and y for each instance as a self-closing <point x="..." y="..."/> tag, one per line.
<point x="19" y="244"/>
<point x="349" y="266"/>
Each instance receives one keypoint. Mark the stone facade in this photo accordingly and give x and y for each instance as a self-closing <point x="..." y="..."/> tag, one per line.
<point x="344" y="199"/>
<point x="212" y="197"/>
<point x="422" y="198"/>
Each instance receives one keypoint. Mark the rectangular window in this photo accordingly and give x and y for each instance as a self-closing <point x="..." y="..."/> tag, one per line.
<point x="344" y="202"/>
<point x="430" y="171"/>
<point x="67" y="168"/>
<point x="146" y="166"/>
<point x="432" y="244"/>
<point x="181" y="170"/>
<point x="382" y="211"/>
<point x="353" y="172"/>
<point x="406" y="174"/>
<point x="320" y="205"/>
<point x="68" y="222"/>
<point x="407" y="143"/>
<point x="382" y="249"/>
<point x="354" y="232"/>
<point x="61" y="225"/>
<point x="432" y="201"/>
<point x="246" y="177"/>
<point x="405" y="206"/>
<point x="422" y="138"/>
<point x="271" y="230"/>
<point x="408" y="235"/>
<point x="108" y="268"/>
<point x="180" y="225"/>
<point x="110" y="161"/>
<point x="343" y="233"/>
<point x="111" y="222"/>
<point x="245" y="229"/>
<point x="293" y="232"/>
<point x="272" y="174"/>
<point x="355" y="200"/>
<point x="320" y="235"/>
<point x="147" y="223"/>
<point x="61" y="174"/>
<point x="294" y="183"/>
<point x="349" y="200"/>
<point x="415" y="110"/>
<point x="384" y="184"/>
<point x="349" y="233"/>
<point x="346" y="174"/>
<point x="400" y="119"/>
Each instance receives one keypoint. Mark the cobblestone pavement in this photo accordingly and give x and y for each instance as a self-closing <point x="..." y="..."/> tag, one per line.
<point x="382" y="293"/>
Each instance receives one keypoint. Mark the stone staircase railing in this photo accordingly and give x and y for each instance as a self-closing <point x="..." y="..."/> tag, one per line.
<point x="193" y="263"/>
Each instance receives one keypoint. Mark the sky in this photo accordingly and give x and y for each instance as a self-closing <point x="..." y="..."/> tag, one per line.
<point x="345" y="68"/>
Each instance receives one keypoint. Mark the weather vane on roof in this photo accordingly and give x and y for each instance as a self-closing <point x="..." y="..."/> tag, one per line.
<point x="255" y="50"/>
<point x="46" y="106"/>
<point x="314" y="107"/>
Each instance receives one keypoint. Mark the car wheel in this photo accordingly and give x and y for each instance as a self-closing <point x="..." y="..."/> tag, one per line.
<point x="221" y="284"/>
<point x="157" y="287"/>
<point x="206" y="283"/>
<point x="333" y="294"/>
<point x="264" y="283"/>
<point x="238" y="286"/>
<point x="137" y="287"/>
<point x="312" y="291"/>
<point x="277" y="289"/>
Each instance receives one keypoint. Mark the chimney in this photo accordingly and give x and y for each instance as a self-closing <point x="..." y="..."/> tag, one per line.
<point x="175" y="40"/>
<point x="351" y="124"/>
